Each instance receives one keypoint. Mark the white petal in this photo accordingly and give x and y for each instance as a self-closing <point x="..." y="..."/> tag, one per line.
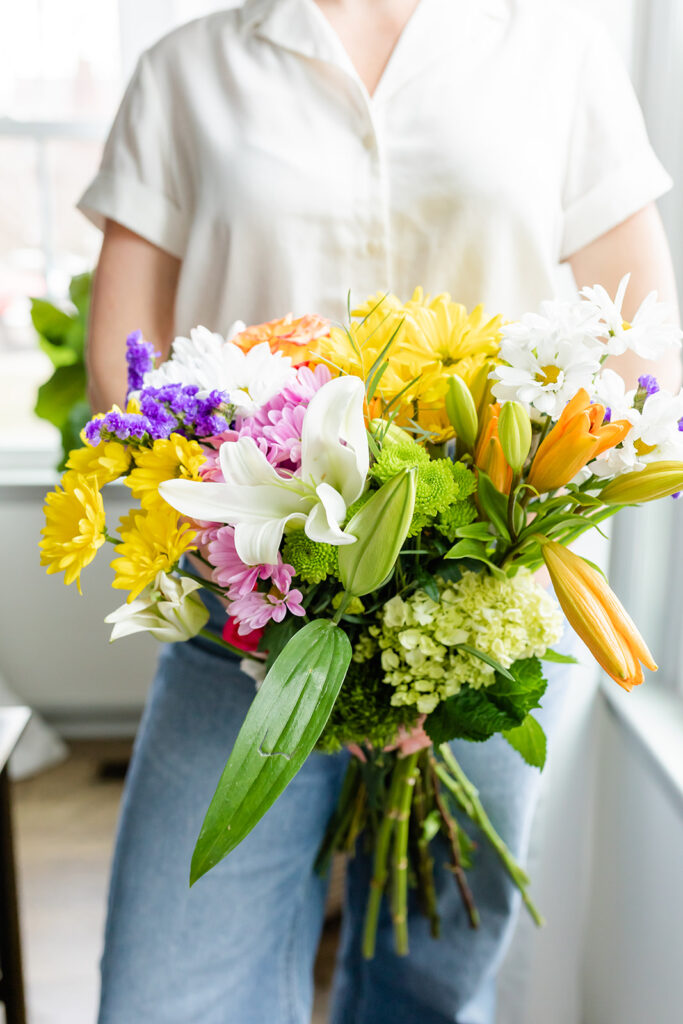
<point x="243" y="462"/>
<point x="334" y="445"/>
<point x="323" y="522"/>
<point x="258" y="543"/>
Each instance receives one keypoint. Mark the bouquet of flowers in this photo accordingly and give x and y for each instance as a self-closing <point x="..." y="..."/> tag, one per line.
<point x="371" y="503"/>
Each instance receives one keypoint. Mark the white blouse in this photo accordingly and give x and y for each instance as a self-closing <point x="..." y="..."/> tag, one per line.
<point x="504" y="136"/>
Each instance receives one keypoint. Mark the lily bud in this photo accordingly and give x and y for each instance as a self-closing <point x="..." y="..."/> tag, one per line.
<point x="380" y="528"/>
<point x="514" y="430"/>
<point x="462" y="411"/>
<point x="488" y="455"/>
<point x="657" y="480"/>
<point x="168" y="609"/>
<point x="389" y="433"/>
<point x="597" y="616"/>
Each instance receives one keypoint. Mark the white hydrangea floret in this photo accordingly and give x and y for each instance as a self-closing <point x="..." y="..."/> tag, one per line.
<point x="418" y="637"/>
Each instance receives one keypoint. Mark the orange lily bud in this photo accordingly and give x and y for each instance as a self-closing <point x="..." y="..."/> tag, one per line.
<point x="488" y="454"/>
<point x="597" y="616"/>
<point x="578" y="436"/>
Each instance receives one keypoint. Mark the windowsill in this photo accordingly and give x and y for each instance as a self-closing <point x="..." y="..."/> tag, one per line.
<point x="653" y="717"/>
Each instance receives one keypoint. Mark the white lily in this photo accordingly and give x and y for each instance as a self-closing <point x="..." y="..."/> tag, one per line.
<point x="168" y="609"/>
<point x="259" y="501"/>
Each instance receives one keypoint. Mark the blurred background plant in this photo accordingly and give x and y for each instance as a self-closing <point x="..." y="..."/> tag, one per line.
<point x="62" y="399"/>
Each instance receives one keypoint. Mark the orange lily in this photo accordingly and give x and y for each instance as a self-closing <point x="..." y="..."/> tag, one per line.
<point x="488" y="454"/>
<point x="292" y="337"/>
<point x="597" y="616"/>
<point x="578" y="436"/>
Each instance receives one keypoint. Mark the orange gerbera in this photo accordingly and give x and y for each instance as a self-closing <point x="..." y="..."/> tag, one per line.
<point x="291" y="336"/>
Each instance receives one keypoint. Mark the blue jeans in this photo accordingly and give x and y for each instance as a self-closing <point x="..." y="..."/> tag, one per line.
<point x="239" y="947"/>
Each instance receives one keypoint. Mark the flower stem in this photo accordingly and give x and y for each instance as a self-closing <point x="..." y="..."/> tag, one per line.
<point x="468" y="797"/>
<point x="380" y="863"/>
<point x="399" y="894"/>
<point x="424" y="861"/>
<point x="208" y="635"/>
<point x="451" y="827"/>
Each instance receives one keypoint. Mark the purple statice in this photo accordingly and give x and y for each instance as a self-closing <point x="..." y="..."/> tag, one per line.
<point x="680" y="424"/>
<point x="178" y="407"/>
<point x="140" y="356"/>
<point x="648" y="384"/>
<point x="607" y="418"/>
<point x="122" y="426"/>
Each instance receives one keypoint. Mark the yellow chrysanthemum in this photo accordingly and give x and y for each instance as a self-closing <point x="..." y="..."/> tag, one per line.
<point x="167" y="459"/>
<point x="151" y="542"/>
<point x="432" y="338"/>
<point x="74" y="526"/>
<point x="102" y="463"/>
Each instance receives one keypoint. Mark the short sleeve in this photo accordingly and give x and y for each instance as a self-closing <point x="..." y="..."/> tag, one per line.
<point x="135" y="184"/>
<point x="612" y="170"/>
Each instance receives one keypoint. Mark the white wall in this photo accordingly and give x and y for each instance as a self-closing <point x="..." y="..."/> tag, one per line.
<point x="634" y="938"/>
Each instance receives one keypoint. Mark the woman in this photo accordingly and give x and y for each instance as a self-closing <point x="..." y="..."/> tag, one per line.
<point x="269" y="159"/>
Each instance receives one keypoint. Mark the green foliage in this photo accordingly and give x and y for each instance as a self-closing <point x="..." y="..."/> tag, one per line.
<point x="478" y="714"/>
<point x="62" y="399"/>
<point x="529" y="740"/>
<point x="281" y="728"/>
<point x="363" y="712"/>
<point x="312" y="561"/>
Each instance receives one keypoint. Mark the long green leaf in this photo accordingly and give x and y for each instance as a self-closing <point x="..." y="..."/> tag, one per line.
<point x="281" y="728"/>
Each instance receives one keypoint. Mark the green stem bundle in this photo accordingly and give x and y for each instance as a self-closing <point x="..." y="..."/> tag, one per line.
<point x="401" y="804"/>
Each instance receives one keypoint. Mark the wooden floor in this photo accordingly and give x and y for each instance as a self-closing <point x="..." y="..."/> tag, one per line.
<point x="64" y="823"/>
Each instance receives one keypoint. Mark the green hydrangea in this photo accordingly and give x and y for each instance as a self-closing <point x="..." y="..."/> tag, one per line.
<point x="363" y="711"/>
<point x="312" y="561"/>
<point x="508" y="619"/>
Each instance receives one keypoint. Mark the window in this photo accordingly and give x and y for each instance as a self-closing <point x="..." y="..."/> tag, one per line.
<point x="63" y="65"/>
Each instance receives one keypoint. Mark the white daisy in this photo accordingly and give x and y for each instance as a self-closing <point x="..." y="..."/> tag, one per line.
<point x="650" y="334"/>
<point x="654" y="436"/>
<point x="208" y="361"/>
<point x="549" y="356"/>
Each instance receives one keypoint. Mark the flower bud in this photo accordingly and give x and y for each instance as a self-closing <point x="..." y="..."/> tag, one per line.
<point x="514" y="431"/>
<point x="462" y="411"/>
<point x="597" y="616"/>
<point x="168" y="609"/>
<point x="656" y="480"/>
<point x="380" y="528"/>
<point x="389" y="433"/>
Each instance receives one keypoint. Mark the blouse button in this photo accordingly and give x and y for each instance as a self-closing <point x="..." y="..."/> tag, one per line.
<point x="368" y="141"/>
<point x="374" y="247"/>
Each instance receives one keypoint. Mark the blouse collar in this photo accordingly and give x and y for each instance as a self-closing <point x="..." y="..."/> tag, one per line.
<point x="435" y="28"/>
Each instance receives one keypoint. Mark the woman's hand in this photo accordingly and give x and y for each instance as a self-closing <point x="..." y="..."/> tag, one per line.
<point x="134" y="287"/>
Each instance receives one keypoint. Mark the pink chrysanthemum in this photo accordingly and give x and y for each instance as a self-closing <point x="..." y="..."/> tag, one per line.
<point x="238" y="579"/>
<point x="277" y="426"/>
<point x="256" y="610"/>
<point x="205" y="532"/>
